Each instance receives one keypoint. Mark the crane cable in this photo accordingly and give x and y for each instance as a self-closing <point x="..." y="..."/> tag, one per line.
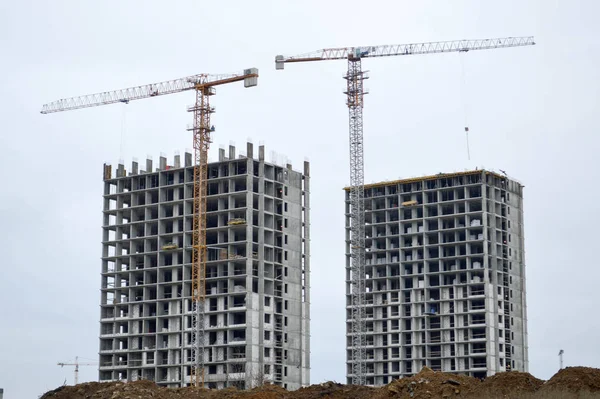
<point x="463" y="96"/>
<point x="123" y="129"/>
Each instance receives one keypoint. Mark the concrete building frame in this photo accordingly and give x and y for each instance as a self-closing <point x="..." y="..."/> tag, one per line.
<point x="445" y="272"/>
<point x="258" y="273"/>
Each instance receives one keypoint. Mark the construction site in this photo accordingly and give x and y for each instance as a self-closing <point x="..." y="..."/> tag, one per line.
<point x="205" y="273"/>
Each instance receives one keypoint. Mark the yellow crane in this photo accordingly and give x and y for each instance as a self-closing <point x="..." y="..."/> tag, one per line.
<point x="204" y="86"/>
<point x="76" y="364"/>
<point x="355" y="100"/>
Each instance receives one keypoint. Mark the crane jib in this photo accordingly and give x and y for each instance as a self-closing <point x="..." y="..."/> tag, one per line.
<point x="248" y="75"/>
<point x="406" y="49"/>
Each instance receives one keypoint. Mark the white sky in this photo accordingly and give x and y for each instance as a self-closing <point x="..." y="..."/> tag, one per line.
<point x="532" y="111"/>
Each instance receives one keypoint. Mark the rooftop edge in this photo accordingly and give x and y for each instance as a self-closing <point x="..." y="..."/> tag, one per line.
<point x="433" y="177"/>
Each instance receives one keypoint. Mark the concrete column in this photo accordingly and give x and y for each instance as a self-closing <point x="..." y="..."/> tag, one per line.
<point x="120" y="170"/>
<point x="261" y="250"/>
<point x="188" y="159"/>
<point x="134" y="168"/>
<point x="305" y="338"/>
<point x="232" y="152"/>
<point x="306" y="222"/>
<point x="107" y="171"/>
<point x="221" y="154"/>
<point x="177" y="161"/>
<point x="162" y="163"/>
<point x="249" y="150"/>
<point x="148" y="165"/>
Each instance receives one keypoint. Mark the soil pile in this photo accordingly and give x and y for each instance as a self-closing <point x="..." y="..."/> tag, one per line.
<point x="574" y="380"/>
<point x="513" y="384"/>
<point x="109" y="390"/>
<point x="333" y="390"/>
<point x="581" y="382"/>
<point x="429" y="384"/>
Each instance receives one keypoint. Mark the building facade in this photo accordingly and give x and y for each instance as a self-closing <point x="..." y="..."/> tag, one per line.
<point x="445" y="276"/>
<point x="257" y="276"/>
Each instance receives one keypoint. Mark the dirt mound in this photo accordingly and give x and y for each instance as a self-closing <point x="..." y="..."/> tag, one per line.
<point x="109" y="390"/>
<point x="511" y="384"/>
<point x="332" y="390"/>
<point x="574" y="379"/>
<point x="429" y="384"/>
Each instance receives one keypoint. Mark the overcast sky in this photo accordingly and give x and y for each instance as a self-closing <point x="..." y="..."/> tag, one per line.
<point x="532" y="111"/>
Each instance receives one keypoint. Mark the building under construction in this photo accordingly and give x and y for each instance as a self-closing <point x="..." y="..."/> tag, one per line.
<point x="444" y="276"/>
<point x="257" y="275"/>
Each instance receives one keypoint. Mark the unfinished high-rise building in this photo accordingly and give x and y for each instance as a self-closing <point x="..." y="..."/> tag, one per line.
<point x="445" y="276"/>
<point x="257" y="274"/>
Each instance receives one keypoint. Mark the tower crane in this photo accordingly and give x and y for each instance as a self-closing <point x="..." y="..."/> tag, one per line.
<point x="76" y="364"/>
<point x="204" y="86"/>
<point x="355" y="101"/>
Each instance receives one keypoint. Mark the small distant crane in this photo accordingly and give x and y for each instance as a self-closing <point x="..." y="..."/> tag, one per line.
<point x="76" y="364"/>
<point x="560" y="357"/>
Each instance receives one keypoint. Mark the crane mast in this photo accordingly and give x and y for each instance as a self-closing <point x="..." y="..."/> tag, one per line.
<point x="355" y="77"/>
<point x="204" y="85"/>
<point x="201" y="131"/>
<point x="355" y="100"/>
